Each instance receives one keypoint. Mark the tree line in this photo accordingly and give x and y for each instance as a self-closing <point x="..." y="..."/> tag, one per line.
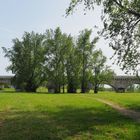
<point x="58" y="61"/>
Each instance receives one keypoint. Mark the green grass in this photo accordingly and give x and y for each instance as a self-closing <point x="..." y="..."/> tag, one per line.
<point x="129" y="100"/>
<point x="62" y="117"/>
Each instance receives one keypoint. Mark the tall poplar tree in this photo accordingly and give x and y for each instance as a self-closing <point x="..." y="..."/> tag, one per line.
<point x="27" y="59"/>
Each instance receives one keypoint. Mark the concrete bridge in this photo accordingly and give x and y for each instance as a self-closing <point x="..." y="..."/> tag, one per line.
<point x="121" y="83"/>
<point x="118" y="83"/>
<point x="5" y="80"/>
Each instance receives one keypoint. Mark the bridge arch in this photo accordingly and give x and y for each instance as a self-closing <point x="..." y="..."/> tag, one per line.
<point x="134" y="87"/>
<point x="121" y="83"/>
<point x="5" y="81"/>
<point x="108" y="85"/>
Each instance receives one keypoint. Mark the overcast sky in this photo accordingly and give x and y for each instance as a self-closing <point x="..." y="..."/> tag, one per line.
<point x="18" y="16"/>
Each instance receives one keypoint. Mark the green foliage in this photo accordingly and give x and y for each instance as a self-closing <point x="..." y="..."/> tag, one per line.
<point x="61" y="61"/>
<point x="101" y="72"/>
<point x="55" y="55"/>
<point x="121" y="20"/>
<point x="72" y="66"/>
<point x="27" y="58"/>
<point x="86" y="52"/>
<point x="68" y="62"/>
<point x="54" y="60"/>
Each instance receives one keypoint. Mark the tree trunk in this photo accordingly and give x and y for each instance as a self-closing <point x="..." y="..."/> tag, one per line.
<point x="96" y="86"/>
<point x="31" y="88"/>
<point x="71" y="88"/>
<point x="63" y="88"/>
<point x="83" y="90"/>
<point x="57" y="88"/>
<point x="96" y="89"/>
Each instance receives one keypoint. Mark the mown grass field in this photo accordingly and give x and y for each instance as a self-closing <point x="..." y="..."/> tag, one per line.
<point x="65" y="117"/>
<point x="129" y="100"/>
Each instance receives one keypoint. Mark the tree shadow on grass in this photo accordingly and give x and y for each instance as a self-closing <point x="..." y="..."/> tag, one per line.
<point x="3" y="91"/>
<point x="135" y="106"/>
<point x="67" y="123"/>
<point x="23" y="92"/>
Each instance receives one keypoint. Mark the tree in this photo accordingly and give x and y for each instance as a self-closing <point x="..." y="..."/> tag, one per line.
<point x="55" y="58"/>
<point x="27" y="58"/>
<point x="72" y="66"/>
<point x="121" y="20"/>
<point x="101" y="72"/>
<point x="98" y="61"/>
<point x="84" y="52"/>
<point x="105" y="77"/>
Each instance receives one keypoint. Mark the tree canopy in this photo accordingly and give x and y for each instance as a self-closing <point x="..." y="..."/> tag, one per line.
<point x="56" y="60"/>
<point x="27" y="58"/>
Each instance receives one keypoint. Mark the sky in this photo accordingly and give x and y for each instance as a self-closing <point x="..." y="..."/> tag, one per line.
<point x="18" y="16"/>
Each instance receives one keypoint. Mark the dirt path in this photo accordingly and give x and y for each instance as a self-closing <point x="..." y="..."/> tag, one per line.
<point x="135" y="115"/>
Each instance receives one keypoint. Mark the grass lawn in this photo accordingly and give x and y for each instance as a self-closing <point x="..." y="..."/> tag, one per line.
<point x="129" y="100"/>
<point x="62" y="117"/>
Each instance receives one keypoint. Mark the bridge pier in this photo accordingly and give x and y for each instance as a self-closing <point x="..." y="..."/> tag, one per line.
<point x="120" y="90"/>
<point x="5" y="81"/>
<point x="1" y="86"/>
<point x="121" y="83"/>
